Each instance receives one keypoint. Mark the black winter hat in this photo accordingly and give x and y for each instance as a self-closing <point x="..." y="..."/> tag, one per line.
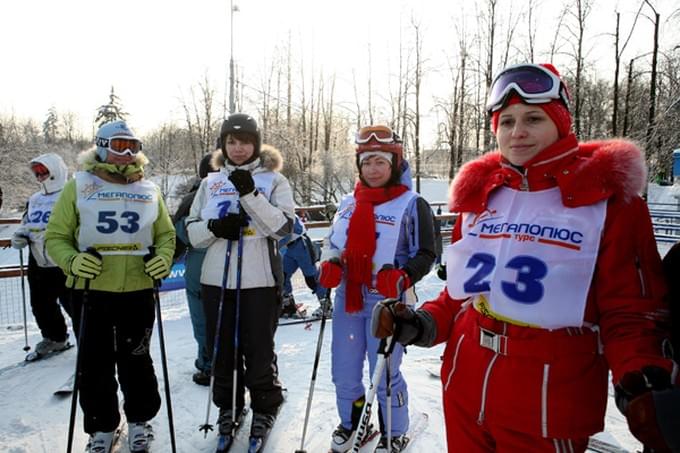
<point x="240" y="123"/>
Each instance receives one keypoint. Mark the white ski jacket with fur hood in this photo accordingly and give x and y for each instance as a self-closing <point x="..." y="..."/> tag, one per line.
<point x="261" y="264"/>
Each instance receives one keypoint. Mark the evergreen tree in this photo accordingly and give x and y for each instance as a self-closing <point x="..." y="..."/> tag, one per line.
<point x="110" y="112"/>
<point x="50" y="126"/>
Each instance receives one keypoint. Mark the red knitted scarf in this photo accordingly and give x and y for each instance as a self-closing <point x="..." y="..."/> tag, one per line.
<point x="360" y="247"/>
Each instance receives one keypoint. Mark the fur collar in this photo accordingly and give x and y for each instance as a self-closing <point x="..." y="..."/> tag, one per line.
<point x="270" y="159"/>
<point x="118" y="174"/>
<point x="598" y="170"/>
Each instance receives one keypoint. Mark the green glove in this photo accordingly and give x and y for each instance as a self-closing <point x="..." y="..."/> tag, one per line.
<point x="86" y="265"/>
<point x="157" y="267"/>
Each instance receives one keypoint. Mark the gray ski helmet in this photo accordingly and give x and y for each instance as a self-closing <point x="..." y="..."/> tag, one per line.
<point x="108" y="131"/>
<point x="243" y="123"/>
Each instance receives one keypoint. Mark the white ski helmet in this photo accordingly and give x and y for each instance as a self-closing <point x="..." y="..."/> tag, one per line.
<point x="108" y="131"/>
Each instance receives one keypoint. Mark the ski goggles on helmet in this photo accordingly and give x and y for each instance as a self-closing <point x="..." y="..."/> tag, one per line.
<point x="381" y="134"/>
<point x="120" y="146"/>
<point x="533" y="83"/>
<point x="39" y="170"/>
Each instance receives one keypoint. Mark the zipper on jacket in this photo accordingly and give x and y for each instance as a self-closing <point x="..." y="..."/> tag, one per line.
<point x="643" y="288"/>
<point x="524" y="186"/>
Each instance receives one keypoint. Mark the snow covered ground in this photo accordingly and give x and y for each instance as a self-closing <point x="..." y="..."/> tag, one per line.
<point x="35" y="421"/>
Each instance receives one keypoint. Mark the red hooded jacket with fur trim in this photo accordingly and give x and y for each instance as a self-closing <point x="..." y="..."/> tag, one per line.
<point x="625" y="300"/>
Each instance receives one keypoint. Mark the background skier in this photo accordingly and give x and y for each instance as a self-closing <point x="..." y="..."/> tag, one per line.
<point x="46" y="281"/>
<point x="299" y="252"/>
<point x="193" y="261"/>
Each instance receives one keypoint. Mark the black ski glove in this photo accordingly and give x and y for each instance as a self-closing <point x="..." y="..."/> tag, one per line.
<point x="228" y="227"/>
<point x="643" y="397"/>
<point x="409" y="326"/>
<point x="243" y="181"/>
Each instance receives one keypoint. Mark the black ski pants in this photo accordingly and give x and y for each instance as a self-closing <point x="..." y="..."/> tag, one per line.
<point x="116" y="337"/>
<point x="47" y="287"/>
<point x="256" y="366"/>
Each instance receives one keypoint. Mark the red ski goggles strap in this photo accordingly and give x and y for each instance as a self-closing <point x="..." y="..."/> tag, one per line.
<point x="533" y="83"/>
<point x="381" y="134"/>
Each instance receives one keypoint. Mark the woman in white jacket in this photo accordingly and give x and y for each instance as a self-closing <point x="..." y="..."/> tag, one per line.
<point x="243" y="210"/>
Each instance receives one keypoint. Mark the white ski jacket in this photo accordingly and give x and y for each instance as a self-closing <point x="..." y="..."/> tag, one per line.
<point x="261" y="263"/>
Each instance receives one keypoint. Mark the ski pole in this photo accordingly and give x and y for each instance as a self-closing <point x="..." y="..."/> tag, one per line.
<point x="234" y="378"/>
<point x="79" y="356"/>
<point x="385" y="348"/>
<point x="205" y="427"/>
<point x="23" y="298"/>
<point x="388" y="391"/>
<point x="319" y="343"/>
<point x="164" y="361"/>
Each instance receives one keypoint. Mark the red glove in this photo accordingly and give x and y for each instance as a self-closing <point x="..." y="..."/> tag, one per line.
<point x="392" y="282"/>
<point x="330" y="273"/>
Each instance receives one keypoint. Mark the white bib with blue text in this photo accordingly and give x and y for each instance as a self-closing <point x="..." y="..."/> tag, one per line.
<point x="388" y="221"/>
<point x="38" y="214"/>
<point x="116" y="219"/>
<point x="531" y="257"/>
<point x="223" y="198"/>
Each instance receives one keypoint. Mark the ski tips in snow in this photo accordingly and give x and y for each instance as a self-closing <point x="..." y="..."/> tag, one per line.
<point x="67" y="387"/>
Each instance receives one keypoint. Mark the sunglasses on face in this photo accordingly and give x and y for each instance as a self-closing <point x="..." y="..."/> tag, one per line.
<point x="533" y="83"/>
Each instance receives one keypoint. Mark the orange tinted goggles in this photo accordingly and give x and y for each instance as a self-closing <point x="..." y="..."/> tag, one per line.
<point x="381" y="134"/>
<point x="122" y="146"/>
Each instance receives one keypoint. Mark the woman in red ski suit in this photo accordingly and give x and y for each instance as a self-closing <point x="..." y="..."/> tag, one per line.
<point x="553" y="280"/>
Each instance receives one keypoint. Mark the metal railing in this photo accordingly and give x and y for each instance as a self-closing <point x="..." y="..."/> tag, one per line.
<point x="666" y="224"/>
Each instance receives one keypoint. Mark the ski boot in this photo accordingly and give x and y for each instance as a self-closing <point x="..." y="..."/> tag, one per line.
<point x="139" y="437"/>
<point x="398" y="444"/>
<point x="228" y="429"/>
<point x="259" y="431"/>
<point x="325" y="306"/>
<point x="100" y="442"/>
<point x="47" y="346"/>
<point x="289" y="309"/>
<point x="201" y="377"/>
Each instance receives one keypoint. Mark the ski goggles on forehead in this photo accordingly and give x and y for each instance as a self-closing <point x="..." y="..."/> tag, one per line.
<point x="381" y="134"/>
<point x="533" y="83"/>
<point x="121" y="146"/>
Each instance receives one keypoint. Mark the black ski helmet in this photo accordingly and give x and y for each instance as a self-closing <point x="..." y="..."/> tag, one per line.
<point x="243" y="123"/>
